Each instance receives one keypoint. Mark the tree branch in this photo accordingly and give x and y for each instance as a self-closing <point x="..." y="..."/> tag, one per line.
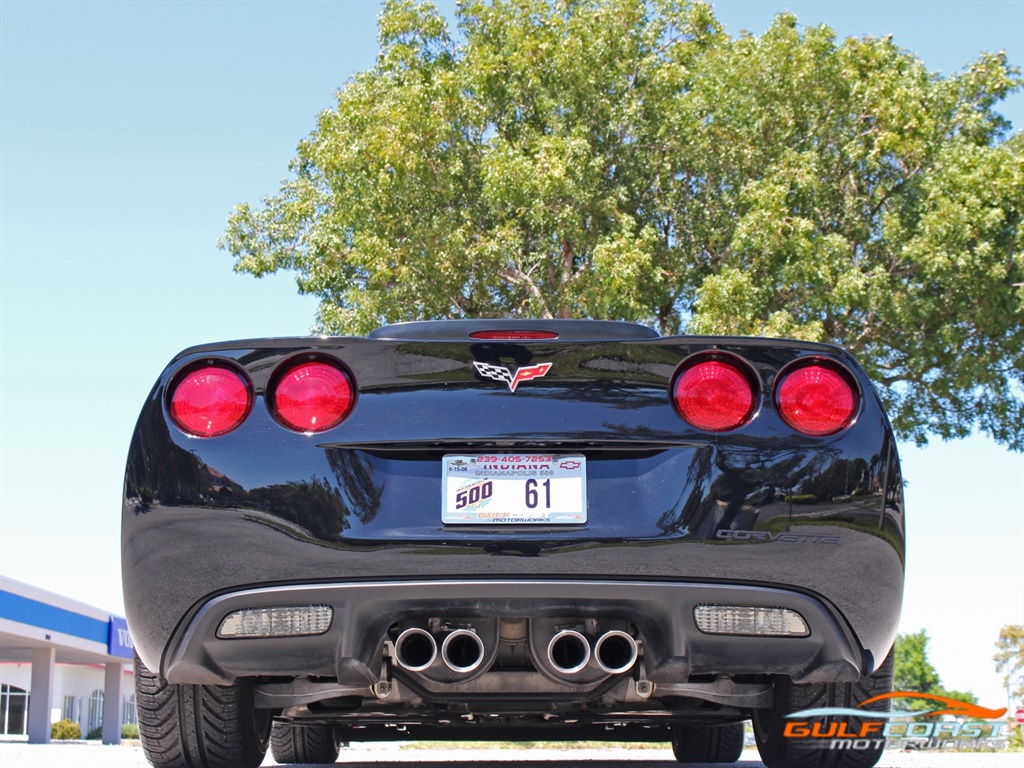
<point x="517" y="277"/>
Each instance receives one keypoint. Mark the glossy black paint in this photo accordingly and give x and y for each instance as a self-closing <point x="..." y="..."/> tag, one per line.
<point x="361" y="502"/>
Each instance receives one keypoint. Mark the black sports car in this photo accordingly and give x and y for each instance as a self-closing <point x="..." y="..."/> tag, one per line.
<point x="509" y="530"/>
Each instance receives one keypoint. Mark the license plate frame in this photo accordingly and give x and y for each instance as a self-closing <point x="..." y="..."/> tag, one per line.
<point x="495" y="489"/>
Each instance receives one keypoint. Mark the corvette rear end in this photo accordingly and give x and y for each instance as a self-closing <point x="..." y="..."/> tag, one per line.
<point x="508" y="529"/>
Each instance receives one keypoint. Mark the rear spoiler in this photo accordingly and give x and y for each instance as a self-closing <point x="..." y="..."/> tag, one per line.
<point x="514" y="330"/>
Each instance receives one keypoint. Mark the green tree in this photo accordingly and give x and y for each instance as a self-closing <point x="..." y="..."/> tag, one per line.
<point x="913" y="672"/>
<point x="1009" y="659"/>
<point x="628" y="159"/>
<point x="965" y="696"/>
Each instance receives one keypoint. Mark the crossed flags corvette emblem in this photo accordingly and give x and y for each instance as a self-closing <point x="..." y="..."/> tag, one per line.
<point x="501" y="373"/>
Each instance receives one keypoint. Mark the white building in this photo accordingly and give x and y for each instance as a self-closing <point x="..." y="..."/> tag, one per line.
<point x="61" y="659"/>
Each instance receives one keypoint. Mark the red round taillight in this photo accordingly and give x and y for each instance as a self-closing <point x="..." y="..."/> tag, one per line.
<point x="210" y="400"/>
<point x="816" y="399"/>
<point x="312" y="396"/>
<point x="714" y="394"/>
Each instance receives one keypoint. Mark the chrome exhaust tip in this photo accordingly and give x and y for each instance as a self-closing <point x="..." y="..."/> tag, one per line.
<point x="569" y="652"/>
<point x="415" y="649"/>
<point x="462" y="651"/>
<point x="616" y="652"/>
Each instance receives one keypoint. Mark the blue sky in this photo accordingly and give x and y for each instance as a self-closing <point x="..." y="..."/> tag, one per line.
<point x="128" y="131"/>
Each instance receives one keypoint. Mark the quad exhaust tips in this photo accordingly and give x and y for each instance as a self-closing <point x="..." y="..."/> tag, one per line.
<point x="569" y="652"/>
<point x="462" y="651"/>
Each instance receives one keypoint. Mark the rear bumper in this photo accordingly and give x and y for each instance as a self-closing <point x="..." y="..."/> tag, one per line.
<point x="182" y="564"/>
<point x="674" y="649"/>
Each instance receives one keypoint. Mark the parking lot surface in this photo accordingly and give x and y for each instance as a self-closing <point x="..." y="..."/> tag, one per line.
<point x="91" y="755"/>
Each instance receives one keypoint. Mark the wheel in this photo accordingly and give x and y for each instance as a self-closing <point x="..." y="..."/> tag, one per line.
<point x="708" y="743"/>
<point x="292" y="743"/>
<point x="199" y="726"/>
<point x="778" y="751"/>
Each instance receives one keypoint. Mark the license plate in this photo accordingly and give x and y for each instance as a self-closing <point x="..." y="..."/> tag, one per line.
<point x="514" y="489"/>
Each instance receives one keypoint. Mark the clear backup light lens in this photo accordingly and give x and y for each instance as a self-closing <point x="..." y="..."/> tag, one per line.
<point x="210" y="400"/>
<point x="714" y="395"/>
<point x="749" y="620"/>
<point x="312" y="397"/>
<point x="816" y="400"/>
<point x="288" y="621"/>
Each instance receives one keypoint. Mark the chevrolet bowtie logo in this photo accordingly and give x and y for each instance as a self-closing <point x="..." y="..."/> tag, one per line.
<point x="501" y="373"/>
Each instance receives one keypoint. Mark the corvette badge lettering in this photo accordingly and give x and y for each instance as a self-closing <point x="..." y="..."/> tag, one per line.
<point x="789" y="538"/>
<point x="501" y="373"/>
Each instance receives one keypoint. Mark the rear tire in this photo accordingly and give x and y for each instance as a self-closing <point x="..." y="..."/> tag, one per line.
<point x="777" y="751"/>
<point x="708" y="743"/>
<point x="199" y="726"/>
<point x="292" y="743"/>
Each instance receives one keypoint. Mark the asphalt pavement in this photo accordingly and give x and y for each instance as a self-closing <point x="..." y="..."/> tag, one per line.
<point x="93" y="755"/>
